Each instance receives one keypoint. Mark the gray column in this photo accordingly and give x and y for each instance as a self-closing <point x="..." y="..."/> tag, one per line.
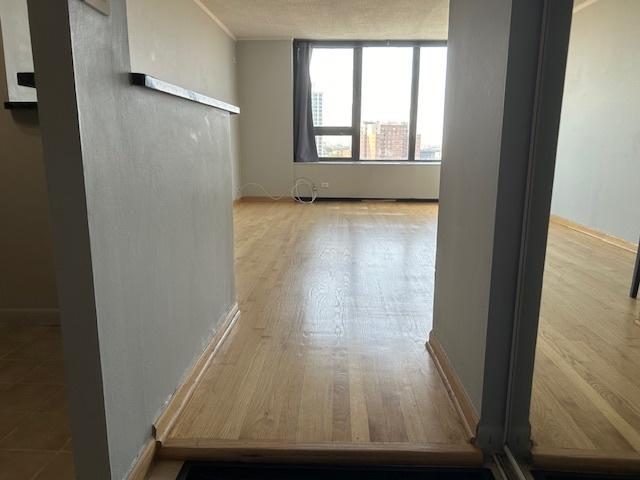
<point x="494" y="74"/>
<point x="140" y="194"/>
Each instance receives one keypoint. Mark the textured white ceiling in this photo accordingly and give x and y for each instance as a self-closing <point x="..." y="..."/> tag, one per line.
<point x="333" y="19"/>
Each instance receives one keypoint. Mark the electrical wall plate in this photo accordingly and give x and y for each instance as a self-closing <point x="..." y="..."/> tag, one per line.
<point x="103" y="6"/>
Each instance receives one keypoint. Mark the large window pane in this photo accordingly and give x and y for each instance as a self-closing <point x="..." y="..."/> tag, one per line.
<point x="334" y="146"/>
<point x="386" y="103"/>
<point x="331" y="72"/>
<point x="433" y="69"/>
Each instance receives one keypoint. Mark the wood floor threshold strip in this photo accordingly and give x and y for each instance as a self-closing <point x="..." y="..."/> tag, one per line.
<point x="165" y="470"/>
<point x="144" y="461"/>
<point x="436" y="454"/>
<point x="591" y="232"/>
<point x="457" y="394"/>
<point x="597" y="461"/>
<point x="181" y="397"/>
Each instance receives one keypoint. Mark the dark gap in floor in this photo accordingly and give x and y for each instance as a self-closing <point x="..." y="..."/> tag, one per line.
<point x="544" y="475"/>
<point x="222" y="471"/>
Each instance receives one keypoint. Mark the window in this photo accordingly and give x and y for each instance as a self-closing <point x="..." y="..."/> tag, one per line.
<point x="334" y="146"/>
<point x="377" y="101"/>
<point x="386" y="103"/>
<point x="433" y="66"/>
<point x="331" y="72"/>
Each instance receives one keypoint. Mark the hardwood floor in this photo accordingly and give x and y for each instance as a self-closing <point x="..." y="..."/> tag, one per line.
<point x="586" y="392"/>
<point x="329" y="352"/>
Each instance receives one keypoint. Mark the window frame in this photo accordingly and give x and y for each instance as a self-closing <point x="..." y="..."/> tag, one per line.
<point x="356" y="109"/>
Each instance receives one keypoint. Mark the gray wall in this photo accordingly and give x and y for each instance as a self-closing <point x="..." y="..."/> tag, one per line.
<point x="598" y="164"/>
<point x="27" y="279"/>
<point x="14" y="23"/>
<point x="474" y="100"/>
<point x="500" y="88"/>
<point x="176" y="41"/>
<point x="265" y="84"/>
<point x="265" y="87"/>
<point x="140" y="193"/>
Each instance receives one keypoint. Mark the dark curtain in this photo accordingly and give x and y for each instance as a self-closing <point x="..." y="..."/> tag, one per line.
<point x="304" y="141"/>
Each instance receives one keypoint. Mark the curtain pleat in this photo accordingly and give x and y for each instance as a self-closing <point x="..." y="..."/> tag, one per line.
<point x="304" y="140"/>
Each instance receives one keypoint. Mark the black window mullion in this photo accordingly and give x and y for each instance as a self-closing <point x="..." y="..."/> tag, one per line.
<point x="357" y="102"/>
<point x="332" y="130"/>
<point x="413" y="117"/>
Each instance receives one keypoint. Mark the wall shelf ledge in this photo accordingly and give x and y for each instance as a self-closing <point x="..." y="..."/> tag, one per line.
<point x="144" y="80"/>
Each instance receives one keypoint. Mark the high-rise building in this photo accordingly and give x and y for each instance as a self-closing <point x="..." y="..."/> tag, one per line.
<point x="317" y="105"/>
<point x="393" y="141"/>
<point x="384" y="140"/>
<point x="368" y="139"/>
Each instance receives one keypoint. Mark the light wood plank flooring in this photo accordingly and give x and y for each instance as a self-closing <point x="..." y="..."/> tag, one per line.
<point x="329" y="351"/>
<point x="586" y="392"/>
<point x="336" y="301"/>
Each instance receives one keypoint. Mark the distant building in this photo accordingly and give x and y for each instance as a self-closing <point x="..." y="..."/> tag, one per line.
<point x="430" y="152"/>
<point x="368" y="140"/>
<point x="384" y="140"/>
<point x="317" y="106"/>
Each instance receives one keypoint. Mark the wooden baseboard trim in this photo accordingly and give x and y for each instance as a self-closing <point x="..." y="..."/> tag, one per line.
<point x="597" y="461"/>
<point x="592" y="232"/>
<point x="334" y="453"/>
<point x="143" y="463"/>
<point x="456" y="391"/>
<point x="35" y="316"/>
<point x="182" y="395"/>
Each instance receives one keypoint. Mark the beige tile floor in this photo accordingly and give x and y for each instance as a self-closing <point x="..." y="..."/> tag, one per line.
<point x="35" y="442"/>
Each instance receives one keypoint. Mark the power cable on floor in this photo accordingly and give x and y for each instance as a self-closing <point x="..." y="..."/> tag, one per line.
<point x="295" y="192"/>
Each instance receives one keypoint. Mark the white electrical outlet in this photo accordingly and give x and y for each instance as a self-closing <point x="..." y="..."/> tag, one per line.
<point x="324" y="185"/>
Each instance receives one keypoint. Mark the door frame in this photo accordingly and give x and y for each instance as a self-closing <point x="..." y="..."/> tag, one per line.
<point x="554" y="38"/>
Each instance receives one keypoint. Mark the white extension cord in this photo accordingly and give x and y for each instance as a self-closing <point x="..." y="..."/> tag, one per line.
<point x="295" y="190"/>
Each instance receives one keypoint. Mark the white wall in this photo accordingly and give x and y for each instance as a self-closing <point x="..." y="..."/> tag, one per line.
<point x="381" y="180"/>
<point x="265" y="79"/>
<point x="177" y="41"/>
<point x="597" y="178"/>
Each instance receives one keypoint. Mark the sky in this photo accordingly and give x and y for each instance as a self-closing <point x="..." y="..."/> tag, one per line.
<point x="386" y="86"/>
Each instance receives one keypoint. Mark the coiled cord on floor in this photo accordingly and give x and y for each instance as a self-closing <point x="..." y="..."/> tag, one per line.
<point x="295" y="193"/>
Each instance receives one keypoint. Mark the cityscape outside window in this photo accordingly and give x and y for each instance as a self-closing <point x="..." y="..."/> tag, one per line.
<point x="432" y="80"/>
<point x="385" y="102"/>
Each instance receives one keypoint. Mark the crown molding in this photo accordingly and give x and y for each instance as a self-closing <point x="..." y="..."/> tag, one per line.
<point x="584" y="5"/>
<point x="224" y="28"/>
